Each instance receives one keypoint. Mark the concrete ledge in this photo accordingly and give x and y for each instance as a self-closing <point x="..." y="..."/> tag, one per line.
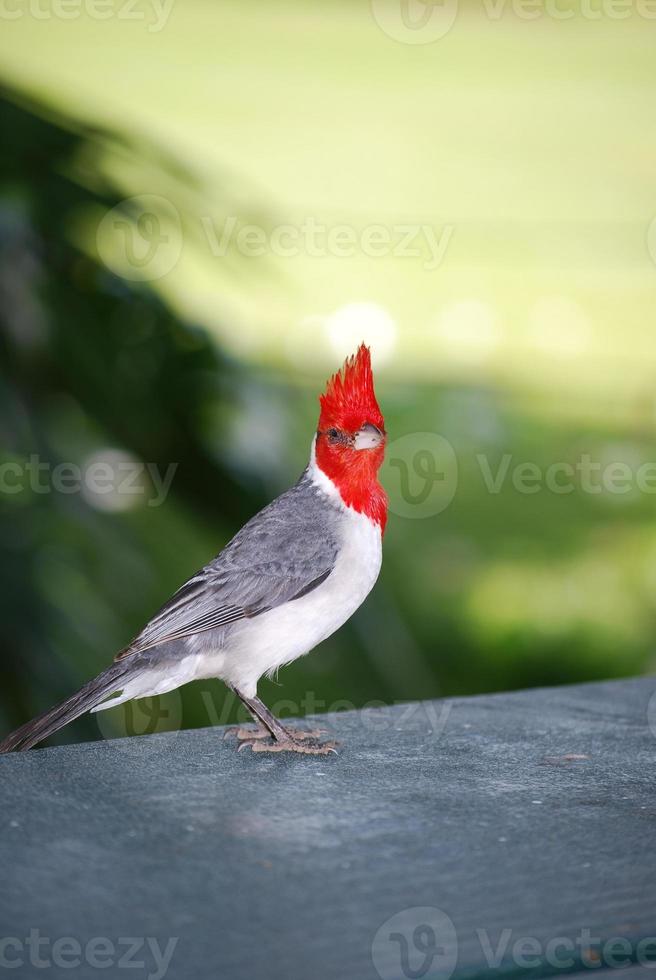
<point x="443" y="834"/>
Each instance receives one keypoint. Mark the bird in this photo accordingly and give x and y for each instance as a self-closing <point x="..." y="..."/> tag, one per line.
<point x="292" y="576"/>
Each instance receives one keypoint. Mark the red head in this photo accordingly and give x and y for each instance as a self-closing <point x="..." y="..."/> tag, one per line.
<point x="351" y="437"/>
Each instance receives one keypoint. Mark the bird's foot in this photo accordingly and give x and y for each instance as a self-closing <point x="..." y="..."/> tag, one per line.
<point x="302" y="745"/>
<point x="297" y="740"/>
<point x="247" y="734"/>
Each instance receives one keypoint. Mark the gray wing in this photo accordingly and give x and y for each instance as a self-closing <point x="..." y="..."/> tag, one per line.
<point x="281" y="554"/>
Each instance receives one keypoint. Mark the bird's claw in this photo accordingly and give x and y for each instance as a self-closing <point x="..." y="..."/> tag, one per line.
<point x="292" y="745"/>
<point x="299" y="740"/>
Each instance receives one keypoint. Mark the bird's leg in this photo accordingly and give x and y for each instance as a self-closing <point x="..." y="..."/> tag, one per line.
<point x="263" y="716"/>
<point x="282" y="739"/>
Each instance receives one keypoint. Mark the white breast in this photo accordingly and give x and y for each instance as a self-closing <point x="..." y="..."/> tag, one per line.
<point x="277" y="637"/>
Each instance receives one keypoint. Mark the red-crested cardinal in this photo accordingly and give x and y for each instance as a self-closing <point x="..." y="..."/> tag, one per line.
<point x="292" y="576"/>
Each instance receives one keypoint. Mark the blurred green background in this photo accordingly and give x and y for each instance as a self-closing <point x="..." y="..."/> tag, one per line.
<point x="205" y="206"/>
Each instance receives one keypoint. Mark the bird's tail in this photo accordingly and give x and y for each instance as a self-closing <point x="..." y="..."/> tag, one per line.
<point x="109" y="682"/>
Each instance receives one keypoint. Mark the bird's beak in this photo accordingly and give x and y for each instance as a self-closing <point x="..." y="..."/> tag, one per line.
<point x="368" y="437"/>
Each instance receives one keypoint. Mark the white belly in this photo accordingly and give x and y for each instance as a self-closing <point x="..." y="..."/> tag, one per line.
<point x="261" y="645"/>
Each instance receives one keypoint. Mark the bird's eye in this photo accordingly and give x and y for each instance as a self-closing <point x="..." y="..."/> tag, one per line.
<point x="334" y="436"/>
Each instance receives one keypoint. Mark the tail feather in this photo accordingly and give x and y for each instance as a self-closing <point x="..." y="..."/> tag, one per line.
<point x="77" y="704"/>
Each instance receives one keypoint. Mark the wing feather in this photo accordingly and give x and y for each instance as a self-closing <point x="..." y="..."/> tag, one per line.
<point x="282" y="554"/>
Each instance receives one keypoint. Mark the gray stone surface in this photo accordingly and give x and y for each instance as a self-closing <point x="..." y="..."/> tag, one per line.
<point x="293" y="867"/>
